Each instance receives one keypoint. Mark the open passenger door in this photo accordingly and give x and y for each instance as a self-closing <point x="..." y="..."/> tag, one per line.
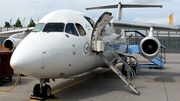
<point x="96" y="39"/>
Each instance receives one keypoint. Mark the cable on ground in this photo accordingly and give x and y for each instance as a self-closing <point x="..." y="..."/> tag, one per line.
<point x="8" y="90"/>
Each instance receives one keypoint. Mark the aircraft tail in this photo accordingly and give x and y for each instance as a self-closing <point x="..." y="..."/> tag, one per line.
<point x="120" y="6"/>
<point x="124" y="6"/>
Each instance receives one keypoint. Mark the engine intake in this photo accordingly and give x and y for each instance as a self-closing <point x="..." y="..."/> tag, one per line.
<point x="150" y="47"/>
<point x="11" y="43"/>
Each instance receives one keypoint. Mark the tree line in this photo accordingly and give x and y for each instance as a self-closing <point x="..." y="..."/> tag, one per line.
<point x="19" y="24"/>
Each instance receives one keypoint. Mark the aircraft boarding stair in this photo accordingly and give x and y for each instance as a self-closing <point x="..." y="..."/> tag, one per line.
<point x="157" y="62"/>
<point x="107" y="53"/>
<point x="110" y="56"/>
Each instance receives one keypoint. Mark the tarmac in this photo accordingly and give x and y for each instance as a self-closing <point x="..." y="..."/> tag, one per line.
<point x="102" y="84"/>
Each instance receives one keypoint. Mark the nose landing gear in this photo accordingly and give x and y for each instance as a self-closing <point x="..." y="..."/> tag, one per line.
<point x="42" y="91"/>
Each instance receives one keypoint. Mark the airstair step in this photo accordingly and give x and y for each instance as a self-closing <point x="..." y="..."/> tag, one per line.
<point x="109" y="56"/>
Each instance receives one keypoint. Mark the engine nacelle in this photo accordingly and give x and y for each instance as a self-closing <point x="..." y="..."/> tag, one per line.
<point x="150" y="47"/>
<point x="13" y="41"/>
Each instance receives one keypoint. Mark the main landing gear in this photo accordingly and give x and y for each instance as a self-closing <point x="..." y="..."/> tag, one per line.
<point x="42" y="90"/>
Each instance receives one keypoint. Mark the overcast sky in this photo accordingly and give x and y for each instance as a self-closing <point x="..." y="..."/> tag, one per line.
<point x="38" y="8"/>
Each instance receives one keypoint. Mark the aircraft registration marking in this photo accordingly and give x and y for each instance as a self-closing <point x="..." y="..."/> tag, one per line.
<point x="88" y="27"/>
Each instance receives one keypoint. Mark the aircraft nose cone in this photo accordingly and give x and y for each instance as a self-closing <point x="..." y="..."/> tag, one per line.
<point x="26" y="59"/>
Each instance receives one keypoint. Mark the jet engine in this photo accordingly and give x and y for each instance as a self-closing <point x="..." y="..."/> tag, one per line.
<point x="150" y="46"/>
<point x="13" y="41"/>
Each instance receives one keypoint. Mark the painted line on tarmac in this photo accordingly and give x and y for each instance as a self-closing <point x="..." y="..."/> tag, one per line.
<point x="47" y="100"/>
<point x="80" y="81"/>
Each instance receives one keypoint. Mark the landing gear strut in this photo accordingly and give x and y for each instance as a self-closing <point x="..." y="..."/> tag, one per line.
<point x="42" y="90"/>
<point x="124" y="71"/>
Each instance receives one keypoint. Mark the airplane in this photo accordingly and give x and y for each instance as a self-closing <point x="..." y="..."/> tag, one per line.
<point x="67" y="42"/>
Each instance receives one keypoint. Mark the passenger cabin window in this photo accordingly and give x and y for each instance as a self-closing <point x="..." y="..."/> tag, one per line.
<point x="38" y="27"/>
<point x="80" y="29"/>
<point x="54" y="27"/>
<point x="70" y="28"/>
<point x="91" y="21"/>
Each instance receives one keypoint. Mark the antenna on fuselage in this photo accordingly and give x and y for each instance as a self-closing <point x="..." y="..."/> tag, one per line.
<point x="120" y="6"/>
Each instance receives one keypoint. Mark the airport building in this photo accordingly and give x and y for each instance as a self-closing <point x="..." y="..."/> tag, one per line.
<point x="171" y="40"/>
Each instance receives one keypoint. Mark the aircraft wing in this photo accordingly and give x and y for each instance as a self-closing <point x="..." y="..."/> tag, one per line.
<point x="9" y="33"/>
<point x="144" y="26"/>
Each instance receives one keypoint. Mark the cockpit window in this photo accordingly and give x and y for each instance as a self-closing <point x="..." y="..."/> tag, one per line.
<point x="38" y="27"/>
<point x="80" y="29"/>
<point x="54" y="27"/>
<point x="71" y="29"/>
<point x="90" y="21"/>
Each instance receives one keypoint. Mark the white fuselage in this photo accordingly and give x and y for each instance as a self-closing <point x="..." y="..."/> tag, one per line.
<point x="51" y="54"/>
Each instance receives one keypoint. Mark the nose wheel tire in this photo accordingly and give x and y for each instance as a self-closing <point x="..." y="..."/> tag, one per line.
<point x="36" y="90"/>
<point x="46" y="91"/>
